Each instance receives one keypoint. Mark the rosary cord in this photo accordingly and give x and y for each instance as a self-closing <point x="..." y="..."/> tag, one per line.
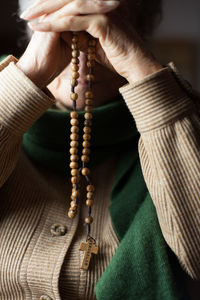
<point x="89" y="101"/>
<point x="74" y="158"/>
<point x="74" y="131"/>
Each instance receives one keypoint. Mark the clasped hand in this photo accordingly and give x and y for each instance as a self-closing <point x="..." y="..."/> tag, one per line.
<point x="118" y="45"/>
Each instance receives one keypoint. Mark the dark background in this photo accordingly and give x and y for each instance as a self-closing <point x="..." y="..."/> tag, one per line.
<point x="11" y="29"/>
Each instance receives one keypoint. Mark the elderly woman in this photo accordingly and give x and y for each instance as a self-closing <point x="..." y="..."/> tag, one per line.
<point x="145" y="234"/>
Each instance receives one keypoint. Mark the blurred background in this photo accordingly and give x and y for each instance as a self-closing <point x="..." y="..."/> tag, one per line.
<point x="176" y="39"/>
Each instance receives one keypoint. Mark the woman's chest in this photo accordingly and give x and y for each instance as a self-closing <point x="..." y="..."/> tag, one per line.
<point x="39" y="250"/>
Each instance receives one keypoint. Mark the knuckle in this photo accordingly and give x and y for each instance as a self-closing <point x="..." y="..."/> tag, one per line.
<point x="99" y="26"/>
<point x="70" y="20"/>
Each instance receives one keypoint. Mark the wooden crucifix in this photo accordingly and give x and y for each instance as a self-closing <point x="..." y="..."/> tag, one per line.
<point x="90" y="248"/>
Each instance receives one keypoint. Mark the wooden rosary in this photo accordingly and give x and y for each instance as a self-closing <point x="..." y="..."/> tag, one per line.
<point x="76" y="172"/>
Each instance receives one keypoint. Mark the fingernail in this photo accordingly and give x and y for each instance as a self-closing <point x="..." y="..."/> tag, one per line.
<point x="25" y="14"/>
<point x="111" y="3"/>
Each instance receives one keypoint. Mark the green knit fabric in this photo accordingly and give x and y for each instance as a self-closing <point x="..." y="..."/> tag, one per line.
<point x="2" y="57"/>
<point x="143" y="267"/>
<point x="47" y="141"/>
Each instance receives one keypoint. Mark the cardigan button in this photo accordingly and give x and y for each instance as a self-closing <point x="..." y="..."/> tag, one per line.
<point x="58" y="230"/>
<point x="45" y="297"/>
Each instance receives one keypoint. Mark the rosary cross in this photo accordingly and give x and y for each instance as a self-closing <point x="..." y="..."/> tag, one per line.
<point x="89" y="248"/>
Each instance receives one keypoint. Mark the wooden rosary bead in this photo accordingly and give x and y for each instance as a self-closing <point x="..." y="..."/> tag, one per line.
<point x="86" y="144"/>
<point x="72" y="195"/>
<point x="73" y="165"/>
<point x="74" y="157"/>
<point x="75" y="67"/>
<point x="74" y="82"/>
<point x="74" y="122"/>
<point x="88" y="116"/>
<point x="87" y="137"/>
<point x="74" y="96"/>
<point x="86" y="151"/>
<point x="75" y="194"/>
<point x="89" y="102"/>
<point x="74" y="46"/>
<point x="90" y="188"/>
<point x="92" y="43"/>
<point x="90" y="195"/>
<point x="73" y="198"/>
<point x="75" y="60"/>
<point x="75" y="53"/>
<point x="72" y="214"/>
<point x="74" y="210"/>
<point x="89" y="220"/>
<point x="73" y="150"/>
<point x="74" y="172"/>
<point x="90" y="77"/>
<point x="73" y="205"/>
<point x="91" y="64"/>
<point x="87" y="129"/>
<point x="74" y="187"/>
<point x="89" y="95"/>
<point x="89" y="202"/>
<point x="88" y="122"/>
<point x="74" y="144"/>
<point x="85" y="158"/>
<point x="88" y="108"/>
<point x="75" y="75"/>
<point x="75" y="179"/>
<point x="74" y="136"/>
<point x="85" y="171"/>
<point x="91" y="56"/>
<point x="74" y="115"/>
<point x="75" y="38"/>
<point x="74" y="129"/>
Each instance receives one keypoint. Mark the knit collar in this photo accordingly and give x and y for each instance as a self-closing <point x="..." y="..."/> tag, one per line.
<point x="113" y="129"/>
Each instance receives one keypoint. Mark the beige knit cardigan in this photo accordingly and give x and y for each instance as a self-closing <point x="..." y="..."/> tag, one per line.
<point x="38" y="245"/>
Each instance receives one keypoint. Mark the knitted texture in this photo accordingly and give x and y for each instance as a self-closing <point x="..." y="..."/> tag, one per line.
<point x="167" y="117"/>
<point x="142" y="261"/>
<point x="143" y="266"/>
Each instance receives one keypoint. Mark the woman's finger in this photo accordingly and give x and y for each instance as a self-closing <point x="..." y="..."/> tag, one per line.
<point x="43" y="7"/>
<point x="80" y="7"/>
<point x="76" y="7"/>
<point x="94" y="24"/>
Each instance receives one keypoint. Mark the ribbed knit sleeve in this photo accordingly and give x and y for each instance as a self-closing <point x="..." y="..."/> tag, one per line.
<point x="21" y="103"/>
<point x="168" y="119"/>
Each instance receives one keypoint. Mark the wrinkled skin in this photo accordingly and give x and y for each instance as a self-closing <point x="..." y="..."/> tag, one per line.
<point x="121" y="54"/>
